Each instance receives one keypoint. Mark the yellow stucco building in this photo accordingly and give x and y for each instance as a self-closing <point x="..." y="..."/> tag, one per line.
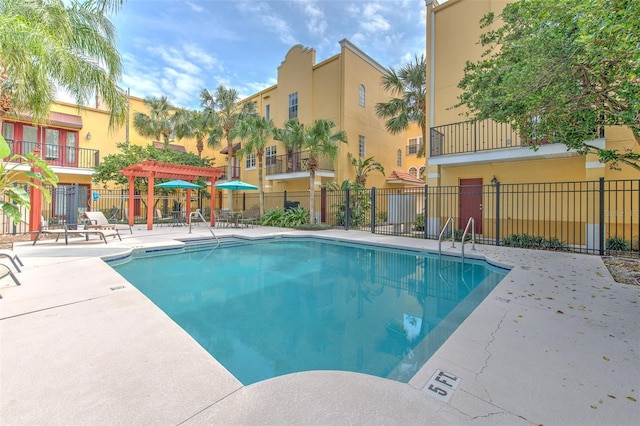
<point x="463" y="150"/>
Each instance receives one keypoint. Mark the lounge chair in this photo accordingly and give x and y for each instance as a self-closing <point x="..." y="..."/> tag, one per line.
<point x="103" y="232"/>
<point x="99" y="221"/>
<point x="4" y="271"/>
<point x="13" y="257"/>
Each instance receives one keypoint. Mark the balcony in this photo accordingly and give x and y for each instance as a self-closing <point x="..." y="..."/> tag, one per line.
<point x="294" y="165"/>
<point x="472" y="136"/>
<point x="235" y="171"/>
<point x="485" y="141"/>
<point x="58" y="155"/>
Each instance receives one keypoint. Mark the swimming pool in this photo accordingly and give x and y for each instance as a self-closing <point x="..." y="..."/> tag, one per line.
<point x="280" y="305"/>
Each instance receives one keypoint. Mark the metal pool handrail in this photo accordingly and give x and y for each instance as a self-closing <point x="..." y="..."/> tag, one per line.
<point x="471" y="222"/>
<point x="197" y="213"/>
<point x="444" y="228"/>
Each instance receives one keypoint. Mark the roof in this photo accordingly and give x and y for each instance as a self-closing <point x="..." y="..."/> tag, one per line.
<point x="156" y="169"/>
<point x="404" y="178"/>
<point x="236" y="147"/>
<point x="171" y="146"/>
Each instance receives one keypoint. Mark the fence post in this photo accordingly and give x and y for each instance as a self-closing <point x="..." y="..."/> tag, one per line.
<point x="497" y="213"/>
<point x="347" y="210"/>
<point x="601" y="236"/>
<point x="424" y="212"/>
<point x="373" y="210"/>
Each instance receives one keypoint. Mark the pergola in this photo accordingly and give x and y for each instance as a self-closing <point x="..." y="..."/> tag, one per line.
<point x="152" y="169"/>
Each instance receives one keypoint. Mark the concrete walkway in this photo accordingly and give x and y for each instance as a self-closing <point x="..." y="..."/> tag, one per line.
<point x="556" y="343"/>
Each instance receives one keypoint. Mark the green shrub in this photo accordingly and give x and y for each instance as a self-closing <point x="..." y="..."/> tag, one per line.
<point x="418" y="225"/>
<point x="457" y="235"/>
<point x="295" y="217"/>
<point x="285" y="218"/>
<point x="618" y="244"/>
<point x="272" y="217"/>
<point x="533" y="242"/>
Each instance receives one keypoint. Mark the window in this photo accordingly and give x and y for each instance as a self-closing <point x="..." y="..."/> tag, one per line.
<point x="399" y="158"/>
<point x="52" y="141"/>
<point x="414" y="145"/>
<point x="7" y="131"/>
<point x="29" y="138"/>
<point x="361" y="146"/>
<point x="250" y="161"/>
<point x="71" y="147"/>
<point x="413" y="172"/>
<point x="361" y="95"/>
<point x="267" y="111"/>
<point x="293" y="105"/>
<point x="270" y="156"/>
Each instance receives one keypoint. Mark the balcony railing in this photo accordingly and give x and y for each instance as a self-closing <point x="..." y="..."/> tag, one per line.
<point x="295" y="162"/>
<point x="472" y="136"/>
<point x="58" y="155"/>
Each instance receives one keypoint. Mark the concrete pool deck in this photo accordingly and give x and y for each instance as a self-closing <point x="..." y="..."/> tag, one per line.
<point x="557" y="342"/>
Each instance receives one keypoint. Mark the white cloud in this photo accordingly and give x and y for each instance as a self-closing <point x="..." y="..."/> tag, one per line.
<point x="315" y="17"/>
<point x="195" y="7"/>
<point x="271" y="21"/>
<point x="201" y="56"/>
<point x="372" y="20"/>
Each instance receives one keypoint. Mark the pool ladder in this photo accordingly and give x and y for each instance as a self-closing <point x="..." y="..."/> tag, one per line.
<point x="198" y="214"/>
<point x="471" y="223"/>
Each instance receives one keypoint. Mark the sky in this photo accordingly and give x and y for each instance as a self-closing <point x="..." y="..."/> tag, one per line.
<point x="176" y="48"/>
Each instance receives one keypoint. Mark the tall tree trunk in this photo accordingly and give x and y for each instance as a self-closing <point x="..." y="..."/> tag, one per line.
<point x="260" y="183"/>
<point x="230" y="172"/>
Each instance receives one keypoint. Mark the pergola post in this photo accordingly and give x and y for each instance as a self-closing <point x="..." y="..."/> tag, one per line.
<point x="35" y="199"/>
<point x="150" y="192"/>
<point x="212" y="203"/>
<point x="131" y="203"/>
<point x="188" y="206"/>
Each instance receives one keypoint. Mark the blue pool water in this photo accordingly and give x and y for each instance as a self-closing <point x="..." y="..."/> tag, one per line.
<point x="277" y="306"/>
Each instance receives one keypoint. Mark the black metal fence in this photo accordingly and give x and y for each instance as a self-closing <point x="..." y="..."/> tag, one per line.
<point x="598" y="217"/>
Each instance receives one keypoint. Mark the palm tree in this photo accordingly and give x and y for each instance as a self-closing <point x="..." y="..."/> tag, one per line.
<point x="256" y="131"/>
<point x="225" y="103"/>
<point x="317" y="140"/>
<point x="47" y="44"/>
<point x="364" y="168"/>
<point x="409" y="86"/>
<point x="195" y="124"/>
<point x="161" y="121"/>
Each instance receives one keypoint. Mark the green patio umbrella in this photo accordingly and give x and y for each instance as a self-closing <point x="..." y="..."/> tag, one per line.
<point x="236" y="185"/>
<point x="178" y="184"/>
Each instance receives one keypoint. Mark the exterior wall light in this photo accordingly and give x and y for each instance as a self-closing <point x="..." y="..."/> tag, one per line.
<point x="88" y="136"/>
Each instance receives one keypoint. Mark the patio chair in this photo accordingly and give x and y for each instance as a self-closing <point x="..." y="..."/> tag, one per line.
<point x="99" y="221"/>
<point x="160" y="219"/>
<point x="13" y="258"/>
<point x="250" y="218"/>
<point x="225" y="218"/>
<point x="4" y="271"/>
